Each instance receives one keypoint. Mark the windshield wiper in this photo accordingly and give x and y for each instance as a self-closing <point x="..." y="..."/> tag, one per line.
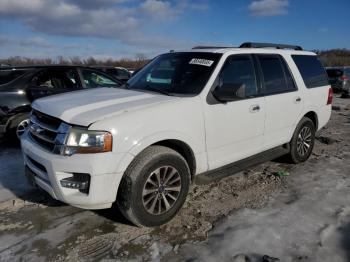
<point x="125" y="85"/>
<point x="150" y="88"/>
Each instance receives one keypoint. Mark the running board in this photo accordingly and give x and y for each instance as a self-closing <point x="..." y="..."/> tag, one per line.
<point x="236" y="167"/>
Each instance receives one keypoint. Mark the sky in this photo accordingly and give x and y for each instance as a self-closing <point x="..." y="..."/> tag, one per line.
<point x="128" y="28"/>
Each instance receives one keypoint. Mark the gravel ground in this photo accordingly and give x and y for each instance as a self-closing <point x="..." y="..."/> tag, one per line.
<point x="304" y="216"/>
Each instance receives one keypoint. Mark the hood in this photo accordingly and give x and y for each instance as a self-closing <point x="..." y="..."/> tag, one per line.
<point x="88" y="106"/>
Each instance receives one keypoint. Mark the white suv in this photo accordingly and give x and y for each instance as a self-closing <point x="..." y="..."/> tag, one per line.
<point x="184" y="114"/>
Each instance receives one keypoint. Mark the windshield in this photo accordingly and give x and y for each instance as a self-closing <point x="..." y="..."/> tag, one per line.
<point x="176" y="73"/>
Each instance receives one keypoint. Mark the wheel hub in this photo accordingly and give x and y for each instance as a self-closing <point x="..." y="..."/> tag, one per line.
<point x="161" y="189"/>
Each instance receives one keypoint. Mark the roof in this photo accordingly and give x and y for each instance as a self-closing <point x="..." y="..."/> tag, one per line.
<point x="223" y="50"/>
<point x="41" y="66"/>
<point x="253" y="47"/>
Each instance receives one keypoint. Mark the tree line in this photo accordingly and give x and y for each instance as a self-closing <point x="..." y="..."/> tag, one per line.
<point x="333" y="57"/>
<point x="130" y="63"/>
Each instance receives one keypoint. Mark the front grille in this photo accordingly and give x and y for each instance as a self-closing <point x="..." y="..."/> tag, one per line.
<point x="47" y="131"/>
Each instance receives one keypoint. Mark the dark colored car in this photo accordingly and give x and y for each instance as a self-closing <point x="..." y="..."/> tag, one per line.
<point x="19" y="86"/>
<point x="339" y="79"/>
<point x="120" y="73"/>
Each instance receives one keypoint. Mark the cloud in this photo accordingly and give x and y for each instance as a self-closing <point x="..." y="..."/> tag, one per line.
<point x="164" y="10"/>
<point x="269" y="7"/>
<point x="35" y="42"/>
<point x="323" y="29"/>
<point x="96" y="4"/>
<point x="158" y="9"/>
<point x="114" y="19"/>
<point x="128" y="22"/>
<point x="4" y="41"/>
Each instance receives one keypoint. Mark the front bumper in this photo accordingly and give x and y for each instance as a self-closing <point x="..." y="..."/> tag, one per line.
<point x="49" y="169"/>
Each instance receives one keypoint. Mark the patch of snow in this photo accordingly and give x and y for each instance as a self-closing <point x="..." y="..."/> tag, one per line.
<point x="309" y="221"/>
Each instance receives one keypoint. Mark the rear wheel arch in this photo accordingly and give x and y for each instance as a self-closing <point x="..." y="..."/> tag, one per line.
<point x="313" y="117"/>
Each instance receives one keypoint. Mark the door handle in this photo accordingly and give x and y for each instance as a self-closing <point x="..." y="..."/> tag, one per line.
<point x="297" y="100"/>
<point x="254" y="108"/>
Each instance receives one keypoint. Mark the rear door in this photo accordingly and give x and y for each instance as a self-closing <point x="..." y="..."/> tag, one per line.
<point x="283" y="100"/>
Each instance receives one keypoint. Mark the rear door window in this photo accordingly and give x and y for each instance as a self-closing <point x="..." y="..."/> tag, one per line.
<point x="275" y="75"/>
<point x="311" y="70"/>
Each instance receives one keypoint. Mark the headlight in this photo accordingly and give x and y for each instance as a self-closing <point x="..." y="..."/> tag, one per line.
<point x="85" y="141"/>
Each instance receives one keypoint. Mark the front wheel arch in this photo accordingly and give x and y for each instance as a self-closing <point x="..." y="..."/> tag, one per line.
<point x="128" y="191"/>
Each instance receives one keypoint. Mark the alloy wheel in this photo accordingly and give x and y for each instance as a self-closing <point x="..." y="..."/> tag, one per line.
<point x="161" y="190"/>
<point x="21" y="127"/>
<point x="304" y="141"/>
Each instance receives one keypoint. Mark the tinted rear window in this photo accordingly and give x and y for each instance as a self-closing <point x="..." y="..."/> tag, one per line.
<point x="311" y="70"/>
<point x="6" y="76"/>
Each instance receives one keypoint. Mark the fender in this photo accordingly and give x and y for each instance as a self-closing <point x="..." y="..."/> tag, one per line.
<point x="141" y="144"/>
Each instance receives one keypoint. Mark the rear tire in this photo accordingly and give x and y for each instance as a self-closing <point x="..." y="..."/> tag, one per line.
<point x="154" y="187"/>
<point x="303" y="141"/>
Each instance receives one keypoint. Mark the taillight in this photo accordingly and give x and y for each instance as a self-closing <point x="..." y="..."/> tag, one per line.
<point x="330" y="96"/>
<point x="343" y="78"/>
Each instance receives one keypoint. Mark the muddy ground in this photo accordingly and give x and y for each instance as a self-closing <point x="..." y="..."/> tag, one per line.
<point x="34" y="227"/>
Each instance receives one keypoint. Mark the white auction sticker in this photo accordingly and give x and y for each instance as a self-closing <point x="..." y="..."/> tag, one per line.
<point x="203" y="62"/>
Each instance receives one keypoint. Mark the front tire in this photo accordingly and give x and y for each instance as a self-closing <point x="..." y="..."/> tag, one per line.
<point x="303" y="141"/>
<point x="18" y="127"/>
<point x="154" y="187"/>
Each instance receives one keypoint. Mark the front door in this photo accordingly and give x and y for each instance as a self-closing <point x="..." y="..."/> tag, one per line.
<point x="234" y="130"/>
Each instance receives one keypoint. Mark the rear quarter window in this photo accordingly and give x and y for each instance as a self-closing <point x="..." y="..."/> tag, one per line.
<point x="311" y="70"/>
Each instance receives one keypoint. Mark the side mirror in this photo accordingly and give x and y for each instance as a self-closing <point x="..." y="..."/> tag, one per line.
<point x="229" y="92"/>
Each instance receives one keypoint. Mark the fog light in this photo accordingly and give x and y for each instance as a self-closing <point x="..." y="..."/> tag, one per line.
<point x="78" y="181"/>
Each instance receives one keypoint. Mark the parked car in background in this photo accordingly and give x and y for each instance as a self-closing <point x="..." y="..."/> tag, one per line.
<point x="120" y="73"/>
<point x="339" y="78"/>
<point x="20" y="86"/>
<point x="184" y="114"/>
<point x="131" y="70"/>
<point x="4" y="65"/>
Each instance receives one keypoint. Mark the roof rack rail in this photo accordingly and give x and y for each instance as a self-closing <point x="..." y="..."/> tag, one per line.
<point x="263" y="45"/>
<point x="210" y="47"/>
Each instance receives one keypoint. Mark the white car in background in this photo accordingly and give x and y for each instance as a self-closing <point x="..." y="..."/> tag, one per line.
<point x="184" y="115"/>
